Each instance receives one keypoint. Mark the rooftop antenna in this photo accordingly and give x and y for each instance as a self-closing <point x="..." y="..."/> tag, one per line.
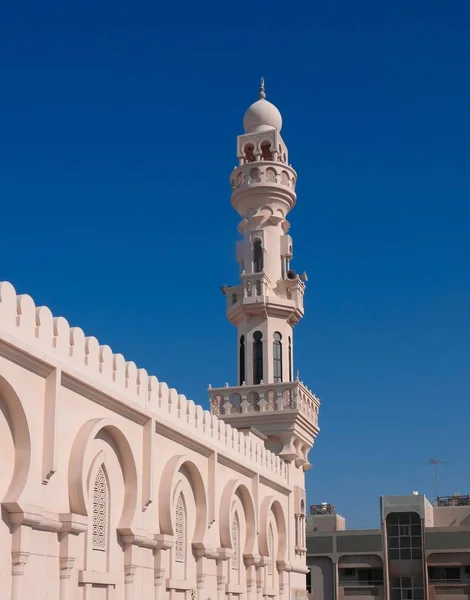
<point x="435" y="462"/>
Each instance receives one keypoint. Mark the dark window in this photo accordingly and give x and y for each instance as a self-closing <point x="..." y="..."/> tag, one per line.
<point x="249" y="154"/>
<point x="290" y="359"/>
<point x="277" y="357"/>
<point x="257" y="256"/>
<point x="242" y="360"/>
<point x="266" y="153"/>
<point x="404" y="536"/>
<point x="257" y="357"/>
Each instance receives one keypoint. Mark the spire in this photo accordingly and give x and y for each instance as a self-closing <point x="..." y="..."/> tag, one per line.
<point x="262" y="92"/>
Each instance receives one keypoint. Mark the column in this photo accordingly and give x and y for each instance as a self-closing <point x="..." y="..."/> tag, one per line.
<point x="65" y="576"/>
<point x="159" y="580"/>
<point x="129" y="573"/>
<point x="18" y="562"/>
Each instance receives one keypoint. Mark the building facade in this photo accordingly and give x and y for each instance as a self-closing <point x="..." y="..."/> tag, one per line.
<point x="420" y="552"/>
<point x="115" y="487"/>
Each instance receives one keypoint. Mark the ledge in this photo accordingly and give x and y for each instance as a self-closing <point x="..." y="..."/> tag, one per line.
<point x="235" y="588"/>
<point x="179" y="584"/>
<point x="97" y="578"/>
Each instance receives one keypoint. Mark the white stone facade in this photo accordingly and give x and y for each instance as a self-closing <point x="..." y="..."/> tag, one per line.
<point x="115" y="487"/>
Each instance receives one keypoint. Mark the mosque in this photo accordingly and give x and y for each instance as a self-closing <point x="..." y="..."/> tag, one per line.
<point x="115" y="487"/>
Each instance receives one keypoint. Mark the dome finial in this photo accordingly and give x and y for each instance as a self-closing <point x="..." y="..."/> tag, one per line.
<point x="262" y="92"/>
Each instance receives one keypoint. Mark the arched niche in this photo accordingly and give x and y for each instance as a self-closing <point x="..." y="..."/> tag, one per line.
<point x="16" y="426"/>
<point x="182" y="464"/>
<point x="236" y="488"/>
<point x="270" y="505"/>
<point x="81" y="458"/>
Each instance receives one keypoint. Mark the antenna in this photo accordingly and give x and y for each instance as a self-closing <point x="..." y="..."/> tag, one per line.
<point x="435" y="462"/>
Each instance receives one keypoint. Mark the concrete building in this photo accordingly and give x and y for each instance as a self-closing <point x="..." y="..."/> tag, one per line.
<point x="115" y="487"/>
<point x="420" y="551"/>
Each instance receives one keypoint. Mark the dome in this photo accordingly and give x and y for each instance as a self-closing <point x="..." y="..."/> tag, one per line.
<point x="262" y="115"/>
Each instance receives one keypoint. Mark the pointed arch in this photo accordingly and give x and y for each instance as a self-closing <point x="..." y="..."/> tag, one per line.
<point x="165" y="496"/>
<point x="19" y="428"/>
<point x="271" y="505"/>
<point x="80" y="459"/>
<point x="232" y="488"/>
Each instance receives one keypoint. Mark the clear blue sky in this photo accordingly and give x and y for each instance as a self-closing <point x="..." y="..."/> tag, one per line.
<point x="117" y="136"/>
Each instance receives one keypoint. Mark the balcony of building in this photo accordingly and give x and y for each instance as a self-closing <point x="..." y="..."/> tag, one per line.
<point x="264" y="397"/>
<point x="448" y="581"/>
<point x="360" y="582"/>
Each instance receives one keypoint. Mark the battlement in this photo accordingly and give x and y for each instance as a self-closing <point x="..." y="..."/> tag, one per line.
<point x="38" y="335"/>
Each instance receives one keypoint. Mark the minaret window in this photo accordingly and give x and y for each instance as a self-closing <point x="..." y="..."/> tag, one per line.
<point x="257" y="357"/>
<point x="266" y="153"/>
<point x="258" y="256"/>
<point x="290" y="359"/>
<point x="277" y="357"/>
<point x="249" y="153"/>
<point x="242" y="360"/>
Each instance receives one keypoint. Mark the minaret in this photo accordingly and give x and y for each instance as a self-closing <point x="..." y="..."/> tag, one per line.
<point x="269" y="300"/>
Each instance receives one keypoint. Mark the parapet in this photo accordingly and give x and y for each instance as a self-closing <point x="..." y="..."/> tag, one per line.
<point x="51" y="341"/>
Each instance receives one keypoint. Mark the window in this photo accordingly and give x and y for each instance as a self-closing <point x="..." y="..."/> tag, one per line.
<point x="242" y="360"/>
<point x="257" y="257"/>
<point x="290" y="359"/>
<point x="404" y="536"/>
<point x="249" y="153"/>
<point x="406" y="588"/>
<point x="100" y="511"/>
<point x="277" y="357"/>
<point x="235" y="542"/>
<point x="270" y="549"/>
<point x="266" y="153"/>
<point x="257" y="357"/>
<point x="180" y="530"/>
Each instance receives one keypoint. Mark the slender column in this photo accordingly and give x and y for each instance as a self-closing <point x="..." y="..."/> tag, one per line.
<point x="159" y="579"/>
<point x="200" y="579"/>
<point x="18" y="561"/>
<point x="65" y="575"/>
<point x="221" y="579"/>
<point x="259" y="583"/>
<point x="69" y="547"/>
<point x="129" y="573"/>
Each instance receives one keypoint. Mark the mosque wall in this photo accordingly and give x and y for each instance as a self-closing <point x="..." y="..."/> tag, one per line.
<point x="116" y="487"/>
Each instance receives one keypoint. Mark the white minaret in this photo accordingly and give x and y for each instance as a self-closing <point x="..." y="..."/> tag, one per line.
<point x="268" y="302"/>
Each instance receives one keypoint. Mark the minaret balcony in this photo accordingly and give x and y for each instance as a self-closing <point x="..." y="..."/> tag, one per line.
<point x="257" y="295"/>
<point x="290" y="396"/>
<point x="262" y="174"/>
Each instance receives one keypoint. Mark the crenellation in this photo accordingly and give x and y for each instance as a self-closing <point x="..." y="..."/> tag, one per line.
<point x="19" y="315"/>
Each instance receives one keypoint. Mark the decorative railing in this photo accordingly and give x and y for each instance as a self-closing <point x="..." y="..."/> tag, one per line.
<point x="289" y="396"/>
<point x="448" y="582"/>
<point x="263" y="173"/>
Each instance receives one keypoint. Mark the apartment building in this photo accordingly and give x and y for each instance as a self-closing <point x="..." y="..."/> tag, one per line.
<point x="421" y="551"/>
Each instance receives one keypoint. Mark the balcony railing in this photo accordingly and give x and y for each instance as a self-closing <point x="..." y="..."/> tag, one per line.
<point x="448" y="582"/>
<point x="288" y="396"/>
<point x="322" y="509"/>
<point x="360" y="583"/>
